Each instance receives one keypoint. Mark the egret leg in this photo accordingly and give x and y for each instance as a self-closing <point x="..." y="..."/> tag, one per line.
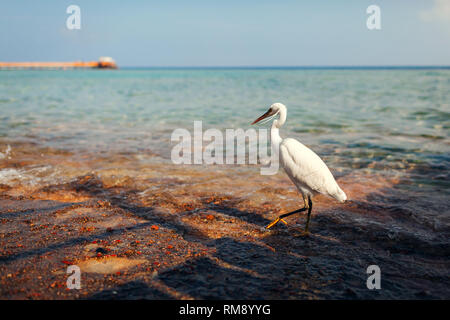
<point x="308" y="218"/>
<point x="280" y="218"/>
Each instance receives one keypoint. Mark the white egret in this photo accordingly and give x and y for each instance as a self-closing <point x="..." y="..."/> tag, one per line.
<point x="307" y="171"/>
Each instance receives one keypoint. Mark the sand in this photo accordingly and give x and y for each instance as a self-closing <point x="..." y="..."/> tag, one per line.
<point x="140" y="227"/>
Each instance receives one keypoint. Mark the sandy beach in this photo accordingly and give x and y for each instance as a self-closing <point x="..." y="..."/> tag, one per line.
<point x="140" y="227"/>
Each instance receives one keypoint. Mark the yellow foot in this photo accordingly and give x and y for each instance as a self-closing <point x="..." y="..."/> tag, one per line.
<point x="274" y="222"/>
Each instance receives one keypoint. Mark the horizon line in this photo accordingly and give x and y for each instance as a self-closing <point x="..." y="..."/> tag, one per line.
<point x="295" y="67"/>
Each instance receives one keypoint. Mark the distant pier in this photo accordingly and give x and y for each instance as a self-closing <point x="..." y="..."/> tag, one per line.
<point x="102" y="63"/>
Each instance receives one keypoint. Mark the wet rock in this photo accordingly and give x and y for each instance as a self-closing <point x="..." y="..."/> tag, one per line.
<point x="108" y="265"/>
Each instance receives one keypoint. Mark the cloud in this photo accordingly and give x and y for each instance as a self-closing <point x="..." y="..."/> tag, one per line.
<point x="440" y="12"/>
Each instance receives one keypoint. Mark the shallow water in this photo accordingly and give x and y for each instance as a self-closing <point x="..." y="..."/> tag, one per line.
<point x="388" y="124"/>
<point x="142" y="228"/>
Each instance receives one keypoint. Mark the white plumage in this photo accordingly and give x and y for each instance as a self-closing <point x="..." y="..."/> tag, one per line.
<point x="307" y="171"/>
<point x="303" y="166"/>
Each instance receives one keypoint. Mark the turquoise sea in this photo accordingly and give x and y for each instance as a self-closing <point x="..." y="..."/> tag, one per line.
<point x="390" y="121"/>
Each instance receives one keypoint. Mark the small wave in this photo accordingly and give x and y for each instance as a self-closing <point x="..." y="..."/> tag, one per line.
<point x="6" y="153"/>
<point x="30" y="176"/>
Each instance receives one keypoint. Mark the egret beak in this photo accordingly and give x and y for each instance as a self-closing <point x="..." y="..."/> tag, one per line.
<point x="265" y="115"/>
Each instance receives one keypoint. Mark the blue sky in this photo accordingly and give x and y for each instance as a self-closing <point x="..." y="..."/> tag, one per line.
<point x="228" y="33"/>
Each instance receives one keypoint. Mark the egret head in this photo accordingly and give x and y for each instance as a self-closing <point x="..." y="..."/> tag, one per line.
<point x="274" y="109"/>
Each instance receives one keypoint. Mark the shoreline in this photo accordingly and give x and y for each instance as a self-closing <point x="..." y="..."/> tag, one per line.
<point x="143" y="229"/>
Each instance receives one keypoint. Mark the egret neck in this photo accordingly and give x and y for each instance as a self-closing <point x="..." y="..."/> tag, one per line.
<point x="275" y="130"/>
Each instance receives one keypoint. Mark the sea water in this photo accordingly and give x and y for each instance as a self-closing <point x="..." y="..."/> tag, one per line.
<point x="389" y="121"/>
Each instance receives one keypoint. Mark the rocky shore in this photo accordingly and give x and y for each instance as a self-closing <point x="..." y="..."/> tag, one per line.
<point x="139" y="227"/>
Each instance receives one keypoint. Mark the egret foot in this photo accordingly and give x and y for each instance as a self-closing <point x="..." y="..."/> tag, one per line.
<point x="274" y="222"/>
<point x="280" y="218"/>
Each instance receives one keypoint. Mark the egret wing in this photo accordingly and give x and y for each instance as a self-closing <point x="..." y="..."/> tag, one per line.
<point x="306" y="169"/>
